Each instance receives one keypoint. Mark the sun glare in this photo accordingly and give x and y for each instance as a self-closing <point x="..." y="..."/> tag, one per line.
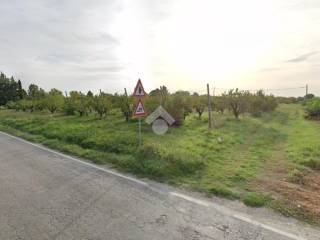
<point x="215" y="39"/>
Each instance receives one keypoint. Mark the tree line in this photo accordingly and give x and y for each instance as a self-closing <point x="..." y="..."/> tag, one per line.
<point x="179" y="104"/>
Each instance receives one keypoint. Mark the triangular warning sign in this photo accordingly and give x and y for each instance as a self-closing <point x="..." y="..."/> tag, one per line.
<point x="139" y="90"/>
<point x="140" y="111"/>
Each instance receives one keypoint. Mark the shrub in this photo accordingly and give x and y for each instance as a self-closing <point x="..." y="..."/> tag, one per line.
<point x="12" y="105"/>
<point x="313" y="108"/>
<point x="260" y="103"/>
<point x="179" y="106"/>
<point x="69" y="108"/>
<point x="223" y="192"/>
<point x="256" y="199"/>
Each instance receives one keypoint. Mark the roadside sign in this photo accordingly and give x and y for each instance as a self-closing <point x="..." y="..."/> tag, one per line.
<point x="139" y="90"/>
<point x="140" y="111"/>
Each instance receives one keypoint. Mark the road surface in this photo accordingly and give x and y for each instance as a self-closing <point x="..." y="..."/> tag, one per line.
<point x="48" y="195"/>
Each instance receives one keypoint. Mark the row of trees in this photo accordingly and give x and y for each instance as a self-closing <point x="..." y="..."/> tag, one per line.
<point x="179" y="104"/>
<point x="75" y="103"/>
<point x="10" y="89"/>
<point x="182" y="103"/>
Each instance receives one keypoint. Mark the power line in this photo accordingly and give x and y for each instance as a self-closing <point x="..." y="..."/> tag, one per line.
<point x="270" y="89"/>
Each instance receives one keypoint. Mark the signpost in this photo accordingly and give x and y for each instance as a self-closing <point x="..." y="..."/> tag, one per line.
<point x="140" y="111"/>
<point x="139" y="90"/>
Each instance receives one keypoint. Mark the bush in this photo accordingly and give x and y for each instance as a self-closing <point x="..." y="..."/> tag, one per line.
<point x="179" y="106"/>
<point x="313" y="108"/>
<point x="223" y="192"/>
<point x="260" y="103"/>
<point x="69" y="108"/>
<point x="256" y="199"/>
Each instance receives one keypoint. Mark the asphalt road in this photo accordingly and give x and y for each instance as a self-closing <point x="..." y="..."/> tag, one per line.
<point x="47" y="195"/>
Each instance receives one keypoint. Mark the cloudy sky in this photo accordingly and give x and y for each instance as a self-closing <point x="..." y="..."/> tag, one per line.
<point x="183" y="44"/>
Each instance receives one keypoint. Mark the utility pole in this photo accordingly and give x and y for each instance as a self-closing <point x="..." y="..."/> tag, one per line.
<point x="209" y="107"/>
<point x="307" y="90"/>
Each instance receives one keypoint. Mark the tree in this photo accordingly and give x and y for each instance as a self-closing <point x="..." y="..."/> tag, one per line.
<point x="35" y="92"/>
<point x="89" y="94"/>
<point x="24" y="105"/>
<point x="309" y="96"/>
<point x="220" y="103"/>
<point x="54" y="100"/>
<point x="77" y="102"/>
<point x="238" y="101"/>
<point x="163" y="93"/>
<point x="8" y="89"/>
<point x="313" y="108"/>
<point x="182" y="93"/>
<point x="259" y="103"/>
<point x="179" y="107"/>
<point x="102" y="104"/>
<point x="199" y="104"/>
<point x="126" y="106"/>
<point x="21" y="92"/>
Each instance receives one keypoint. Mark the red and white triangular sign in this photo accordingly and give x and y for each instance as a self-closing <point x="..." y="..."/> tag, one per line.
<point x="140" y="111"/>
<point x="139" y="90"/>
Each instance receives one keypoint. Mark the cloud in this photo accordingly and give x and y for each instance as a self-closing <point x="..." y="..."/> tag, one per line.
<point x="303" y="5"/>
<point x="269" y="69"/>
<point x="55" y="43"/>
<point x="302" y="58"/>
<point x="77" y="43"/>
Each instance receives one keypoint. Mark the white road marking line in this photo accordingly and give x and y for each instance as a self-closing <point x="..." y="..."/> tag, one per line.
<point x="78" y="160"/>
<point x="190" y="199"/>
<point x="179" y="195"/>
<point x="272" y="229"/>
<point x="239" y="217"/>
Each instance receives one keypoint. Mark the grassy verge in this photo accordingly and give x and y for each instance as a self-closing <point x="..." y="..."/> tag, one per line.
<point x="226" y="162"/>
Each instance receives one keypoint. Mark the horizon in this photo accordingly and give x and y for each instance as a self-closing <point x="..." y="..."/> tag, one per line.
<point x="214" y="91"/>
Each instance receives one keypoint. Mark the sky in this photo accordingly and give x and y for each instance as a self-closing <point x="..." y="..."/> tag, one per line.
<point x="182" y="44"/>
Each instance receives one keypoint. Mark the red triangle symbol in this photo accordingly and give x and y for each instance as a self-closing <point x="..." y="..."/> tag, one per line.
<point x="139" y="90"/>
<point x="139" y="109"/>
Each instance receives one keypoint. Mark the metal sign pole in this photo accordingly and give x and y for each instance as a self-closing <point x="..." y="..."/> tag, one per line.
<point x="139" y="93"/>
<point x="140" y="137"/>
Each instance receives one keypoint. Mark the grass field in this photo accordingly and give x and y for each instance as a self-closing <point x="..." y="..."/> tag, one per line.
<point x="272" y="160"/>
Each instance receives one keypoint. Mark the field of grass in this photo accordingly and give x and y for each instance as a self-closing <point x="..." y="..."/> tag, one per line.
<point x="257" y="160"/>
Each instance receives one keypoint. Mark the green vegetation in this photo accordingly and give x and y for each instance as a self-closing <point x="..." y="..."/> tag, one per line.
<point x="254" y="138"/>
<point x="225" y="160"/>
<point x="256" y="199"/>
<point x="313" y="108"/>
<point x="290" y="209"/>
